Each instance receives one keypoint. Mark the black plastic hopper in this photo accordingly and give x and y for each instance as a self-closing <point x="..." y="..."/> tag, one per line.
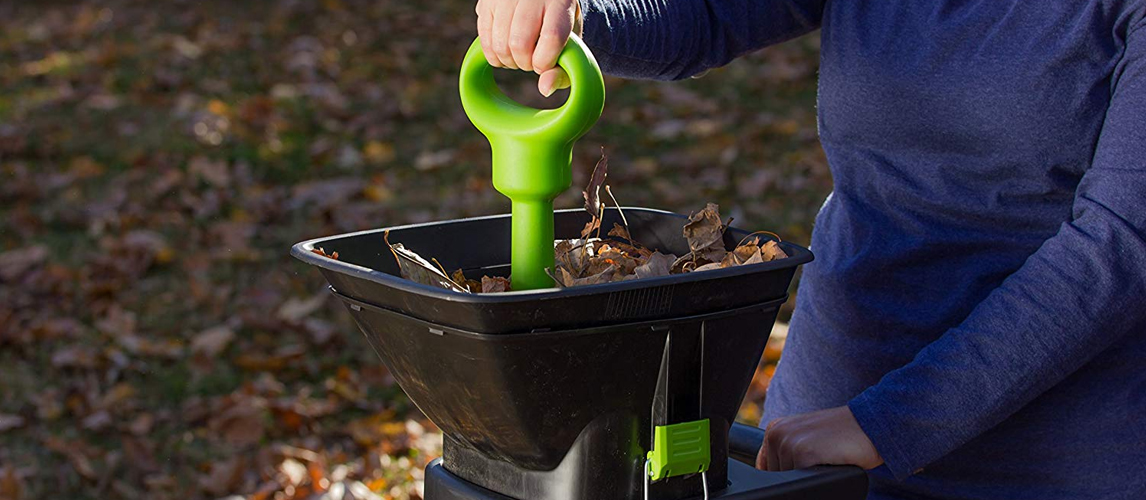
<point x="553" y="394"/>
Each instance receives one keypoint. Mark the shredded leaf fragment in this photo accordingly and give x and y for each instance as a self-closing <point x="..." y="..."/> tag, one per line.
<point x="322" y="252"/>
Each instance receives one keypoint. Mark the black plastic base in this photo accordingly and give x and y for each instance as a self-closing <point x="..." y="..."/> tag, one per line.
<point x="744" y="483"/>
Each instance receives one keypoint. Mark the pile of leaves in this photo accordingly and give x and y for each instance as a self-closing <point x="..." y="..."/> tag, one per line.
<point x="593" y="259"/>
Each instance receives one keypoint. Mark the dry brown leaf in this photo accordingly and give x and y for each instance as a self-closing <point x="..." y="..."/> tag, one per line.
<point x="746" y="251"/>
<point x="459" y="277"/>
<point x="592" y="192"/>
<point x="658" y="264"/>
<point x="49" y="405"/>
<point x="14" y="263"/>
<point x="620" y="231"/>
<point x="11" y="488"/>
<point x="609" y="255"/>
<point x="680" y="265"/>
<point x="638" y="251"/>
<point x="756" y="258"/>
<point x="142" y="424"/>
<point x="772" y="251"/>
<point x="323" y="253"/>
<point x="96" y="421"/>
<point x="9" y="422"/>
<point x="214" y="172"/>
<point x="705" y="234"/>
<point x="571" y="257"/>
<point x="604" y="276"/>
<point x="76" y="453"/>
<point x="320" y="331"/>
<point x="212" y="341"/>
<point x="379" y="428"/>
<point x="495" y="284"/>
<point x="294" y="471"/>
<point x="562" y="247"/>
<point x="708" y="267"/>
<point x="297" y="308"/>
<point x="53" y="328"/>
<point x="117" y="322"/>
<point x="597" y="264"/>
<point x="241" y="424"/>
<point x="278" y="360"/>
<point x="224" y="476"/>
<point x="144" y="346"/>
<point x="417" y="269"/>
<point x="75" y="356"/>
<point x="83" y="466"/>
<point x="140" y="453"/>
<point x="742" y="254"/>
<point x="704" y="228"/>
<point x="592" y="226"/>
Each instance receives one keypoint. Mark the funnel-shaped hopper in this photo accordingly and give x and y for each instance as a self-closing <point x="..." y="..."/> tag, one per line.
<point x="554" y="394"/>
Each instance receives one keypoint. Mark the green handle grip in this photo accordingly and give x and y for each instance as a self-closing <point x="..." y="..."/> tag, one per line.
<point x="532" y="149"/>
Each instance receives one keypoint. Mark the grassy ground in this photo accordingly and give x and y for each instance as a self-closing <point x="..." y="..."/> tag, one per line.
<point x="157" y="159"/>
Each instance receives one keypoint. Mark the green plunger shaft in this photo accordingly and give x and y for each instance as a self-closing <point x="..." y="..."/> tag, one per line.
<point x="532" y="250"/>
<point x="531" y="173"/>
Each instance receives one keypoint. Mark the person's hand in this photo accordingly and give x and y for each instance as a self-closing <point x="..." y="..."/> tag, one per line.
<point x="528" y="35"/>
<point x="825" y="437"/>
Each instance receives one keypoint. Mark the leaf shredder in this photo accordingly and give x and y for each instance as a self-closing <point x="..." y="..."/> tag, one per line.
<point x="614" y="391"/>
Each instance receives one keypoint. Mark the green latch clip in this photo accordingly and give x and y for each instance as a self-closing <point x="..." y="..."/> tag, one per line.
<point x="679" y="449"/>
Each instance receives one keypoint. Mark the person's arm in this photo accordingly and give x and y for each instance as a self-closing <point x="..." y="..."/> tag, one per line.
<point x="674" y="39"/>
<point x="1082" y="291"/>
<point x="658" y="39"/>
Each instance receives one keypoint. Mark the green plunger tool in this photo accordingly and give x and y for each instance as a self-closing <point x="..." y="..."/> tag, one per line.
<point x="532" y="150"/>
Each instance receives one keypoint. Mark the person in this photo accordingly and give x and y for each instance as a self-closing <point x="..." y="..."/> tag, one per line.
<point x="974" y="324"/>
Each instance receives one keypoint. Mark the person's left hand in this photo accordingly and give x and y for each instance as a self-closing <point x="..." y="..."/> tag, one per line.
<point x="825" y="437"/>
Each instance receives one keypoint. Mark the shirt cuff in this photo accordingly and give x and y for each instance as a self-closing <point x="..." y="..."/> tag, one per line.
<point x="879" y="423"/>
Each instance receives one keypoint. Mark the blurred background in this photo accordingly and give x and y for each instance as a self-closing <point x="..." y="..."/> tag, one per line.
<point x="158" y="159"/>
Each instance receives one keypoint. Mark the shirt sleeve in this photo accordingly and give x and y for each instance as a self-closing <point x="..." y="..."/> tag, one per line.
<point x="1077" y="295"/>
<point x="674" y="39"/>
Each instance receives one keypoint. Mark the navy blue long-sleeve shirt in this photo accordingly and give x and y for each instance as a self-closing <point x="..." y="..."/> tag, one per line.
<point x="978" y="298"/>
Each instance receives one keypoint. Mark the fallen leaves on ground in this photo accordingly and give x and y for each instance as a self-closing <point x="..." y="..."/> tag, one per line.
<point x="9" y="422"/>
<point x="160" y="158"/>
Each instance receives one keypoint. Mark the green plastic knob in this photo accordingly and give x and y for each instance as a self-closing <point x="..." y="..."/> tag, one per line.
<point x="532" y="149"/>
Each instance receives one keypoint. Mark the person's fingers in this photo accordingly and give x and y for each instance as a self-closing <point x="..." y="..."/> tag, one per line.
<point x="558" y="21"/>
<point x="774" y="457"/>
<point x="502" y="21"/>
<point x="762" y="456"/>
<point x="485" y="32"/>
<point x="805" y="458"/>
<point x="787" y="453"/>
<point x="772" y="444"/>
<point x="552" y="80"/>
<point x="523" y="33"/>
